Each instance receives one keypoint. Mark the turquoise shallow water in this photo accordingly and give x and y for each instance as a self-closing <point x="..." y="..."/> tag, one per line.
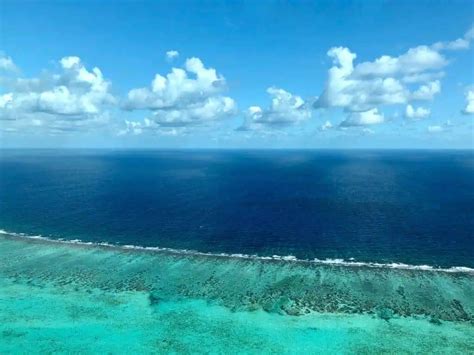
<point x="62" y="297"/>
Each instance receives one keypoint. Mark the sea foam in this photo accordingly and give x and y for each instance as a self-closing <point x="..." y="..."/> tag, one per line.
<point x="284" y="258"/>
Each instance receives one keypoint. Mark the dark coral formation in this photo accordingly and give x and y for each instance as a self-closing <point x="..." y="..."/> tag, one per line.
<point x="286" y="287"/>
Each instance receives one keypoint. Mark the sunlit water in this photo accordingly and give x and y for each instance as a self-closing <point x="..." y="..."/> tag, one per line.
<point x="412" y="207"/>
<point x="236" y="252"/>
<point x="62" y="297"/>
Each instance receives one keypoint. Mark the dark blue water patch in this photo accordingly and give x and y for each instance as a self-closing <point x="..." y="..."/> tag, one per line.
<point x="387" y="206"/>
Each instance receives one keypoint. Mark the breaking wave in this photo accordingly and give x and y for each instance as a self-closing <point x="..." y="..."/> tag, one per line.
<point x="286" y="258"/>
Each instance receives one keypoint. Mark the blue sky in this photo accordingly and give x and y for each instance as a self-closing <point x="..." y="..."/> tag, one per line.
<point x="267" y="74"/>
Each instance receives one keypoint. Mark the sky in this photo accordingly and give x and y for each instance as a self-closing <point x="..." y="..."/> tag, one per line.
<point x="232" y="74"/>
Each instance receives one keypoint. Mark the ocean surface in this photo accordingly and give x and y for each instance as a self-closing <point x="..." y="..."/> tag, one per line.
<point x="245" y="252"/>
<point x="410" y="207"/>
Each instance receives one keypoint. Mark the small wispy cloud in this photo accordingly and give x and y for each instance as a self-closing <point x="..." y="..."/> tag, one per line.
<point x="171" y="55"/>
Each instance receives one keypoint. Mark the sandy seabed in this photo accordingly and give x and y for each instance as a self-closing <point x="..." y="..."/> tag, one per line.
<point x="66" y="298"/>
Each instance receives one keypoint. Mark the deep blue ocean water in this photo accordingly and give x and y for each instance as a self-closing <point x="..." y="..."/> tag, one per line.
<point x="415" y="207"/>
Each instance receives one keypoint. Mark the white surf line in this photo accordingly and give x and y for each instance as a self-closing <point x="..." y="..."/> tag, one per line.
<point x="287" y="258"/>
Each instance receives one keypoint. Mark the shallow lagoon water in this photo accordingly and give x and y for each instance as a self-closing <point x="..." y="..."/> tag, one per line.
<point x="63" y="297"/>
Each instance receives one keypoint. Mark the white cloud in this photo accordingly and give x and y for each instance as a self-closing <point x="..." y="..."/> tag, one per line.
<point x="457" y="44"/>
<point x="442" y="127"/>
<point x="435" y="129"/>
<point x="56" y="99"/>
<point x="36" y="122"/>
<point x="416" y="113"/>
<point x="147" y="125"/>
<point x="185" y="97"/>
<point x="132" y="127"/>
<point x="381" y="82"/>
<point x="70" y="62"/>
<point x="46" y="125"/>
<point x="422" y="77"/>
<point x="326" y="126"/>
<point x="365" y="118"/>
<point x="469" y="109"/>
<point x="177" y="89"/>
<point x="5" y="100"/>
<point x="427" y="92"/>
<point x="387" y="80"/>
<point x="170" y="55"/>
<point x="285" y="109"/>
<point x="6" y="64"/>
<point x="415" y="60"/>
<point x="211" y="109"/>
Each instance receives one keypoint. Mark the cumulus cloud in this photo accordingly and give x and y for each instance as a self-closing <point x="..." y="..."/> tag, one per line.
<point x="6" y="64"/>
<point x="5" y="100"/>
<point x="178" y="88"/>
<point x="381" y="82"/>
<point x="469" y="109"/>
<point x="326" y="126"/>
<point x="362" y="119"/>
<point x="438" y="128"/>
<point x="285" y="109"/>
<point x="427" y="92"/>
<point x="211" y="109"/>
<point x="422" y="77"/>
<point x="134" y="127"/>
<point x="170" y="55"/>
<point x="147" y="125"/>
<point x="457" y="44"/>
<point x="360" y="88"/>
<point x="57" y="100"/>
<point x="75" y="97"/>
<point x="184" y="97"/>
<point x="416" y="113"/>
<point x="415" y="60"/>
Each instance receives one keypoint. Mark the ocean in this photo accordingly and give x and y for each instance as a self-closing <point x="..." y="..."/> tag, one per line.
<point x="411" y="207"/>
<point x="252" y="252"/>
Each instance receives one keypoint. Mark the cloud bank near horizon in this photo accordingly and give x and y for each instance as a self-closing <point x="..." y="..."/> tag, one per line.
<point x="75" y="97"/>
